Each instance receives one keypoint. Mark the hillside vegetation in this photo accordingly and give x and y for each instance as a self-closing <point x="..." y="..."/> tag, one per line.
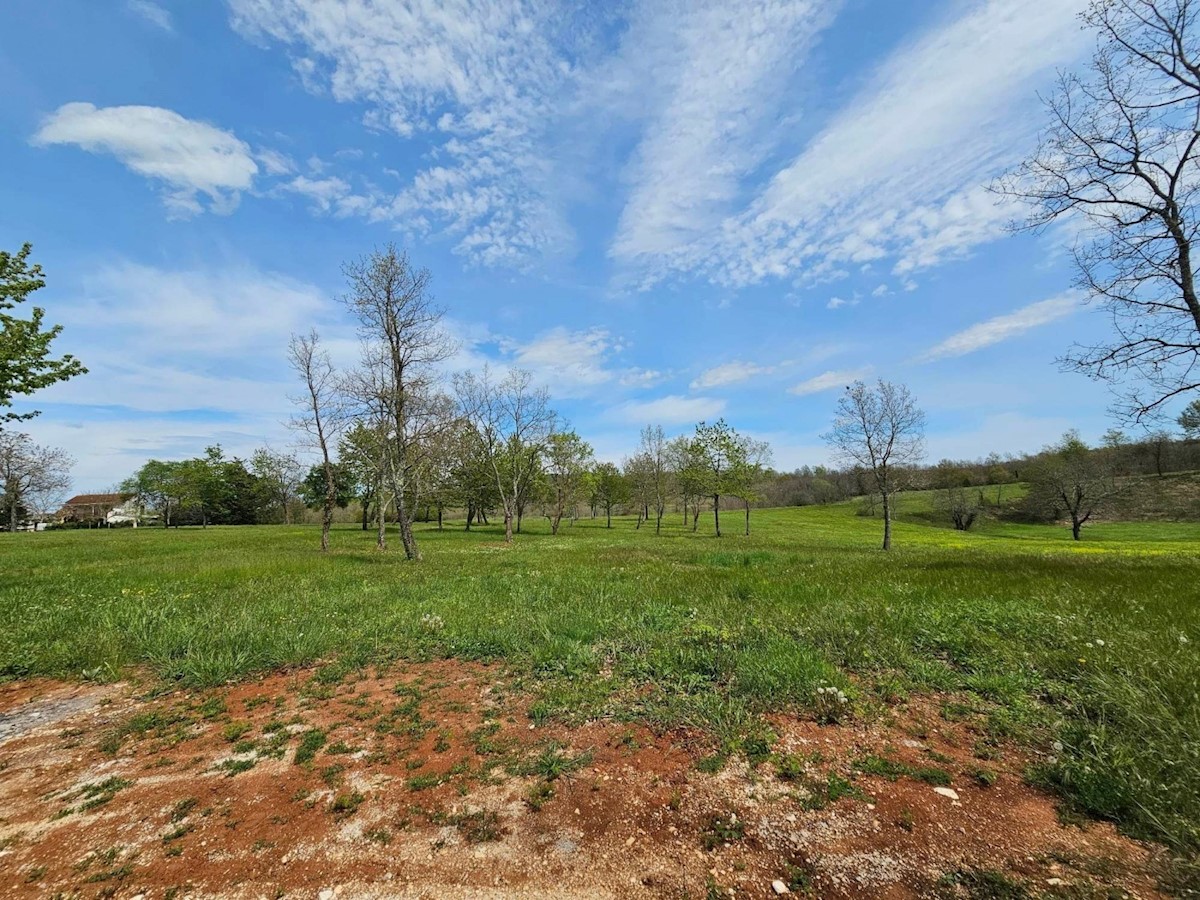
<point x="1085" y="651"/>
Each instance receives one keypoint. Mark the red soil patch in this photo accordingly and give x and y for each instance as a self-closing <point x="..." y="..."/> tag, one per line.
<point x="431" y="781"/>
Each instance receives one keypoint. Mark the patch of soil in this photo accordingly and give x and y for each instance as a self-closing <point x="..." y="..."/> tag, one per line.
<point x="430" y="780"/>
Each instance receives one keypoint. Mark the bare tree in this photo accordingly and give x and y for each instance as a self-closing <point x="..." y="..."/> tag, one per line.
<point x="1072" y="479"/>
<point x="880" y="430"/>
<point x="1120" y="155"/>
<point x="321" y="417"/>
<point x="512" y="422"/>
<point x="654" y="450"/>
<point x="403" y="341"/>
<point x="33" y="478"/>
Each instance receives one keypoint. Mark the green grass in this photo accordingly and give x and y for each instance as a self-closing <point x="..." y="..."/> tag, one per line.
<point x="1009" y="617"/>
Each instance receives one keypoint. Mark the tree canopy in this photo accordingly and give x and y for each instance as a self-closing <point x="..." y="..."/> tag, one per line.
<point x="25" y="362"/>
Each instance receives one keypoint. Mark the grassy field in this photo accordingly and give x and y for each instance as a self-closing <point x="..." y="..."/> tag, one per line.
<point x="1092" y="646"/>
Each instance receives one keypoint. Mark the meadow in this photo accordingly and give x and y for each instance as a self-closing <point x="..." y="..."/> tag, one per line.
<point x="1085" y="653"/>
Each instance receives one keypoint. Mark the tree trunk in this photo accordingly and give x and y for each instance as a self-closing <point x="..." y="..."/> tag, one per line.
<point x="695" y="518"/>
<point x="555" y="520"/>
<point x="406" y="532"/>
<point x="658" y="522"/>
<point x="326" y="522"/>
<point x="470" y="515"/>
<point x="439" y="509"/>
<point x="1076" y="527"/>
<point x="483" y="516"/>
<point x="366" y="514"/>
<point x="747" y="518"/>
<point x="508" y="527"/>
<point x="381" y="525"/>
<point x="12" y="516"/>
<point x="717" y="513"/>
<point x="608" y="512"/>
<point x="887" y="521"/>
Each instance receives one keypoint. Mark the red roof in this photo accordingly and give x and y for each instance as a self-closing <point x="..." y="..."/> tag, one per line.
<point x="96" y="500"/>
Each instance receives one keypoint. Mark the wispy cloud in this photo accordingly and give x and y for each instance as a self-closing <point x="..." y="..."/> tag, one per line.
<point x="672" y="409"/>
<point x="187" y="157"/>
<point x="1001" y="328"/>
<point x="569" y="363"/>
<point x="712" y="76"/>
<point x="151" y="12"/>
<point x="729" y="373"/>
<point x="828" y="381"/>
<point x="479" y="80"/>
<point x="899" y="173"/>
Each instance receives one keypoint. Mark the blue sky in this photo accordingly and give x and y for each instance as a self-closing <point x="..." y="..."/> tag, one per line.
<point x="669" y="211"/>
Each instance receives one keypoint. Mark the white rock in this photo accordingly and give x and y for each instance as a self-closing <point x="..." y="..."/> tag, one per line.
<point x="779" y="887"/>
<point x="949" y="793"/>
<point x="326" y="894"/>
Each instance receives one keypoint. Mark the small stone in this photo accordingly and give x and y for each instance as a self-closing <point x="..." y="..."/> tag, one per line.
<point x="629" y="842"/>
<point x="1054" y="882"/>
<point x="326" y="894"/>
<point x="949" y="793"/>
<point x="779" y="887"/>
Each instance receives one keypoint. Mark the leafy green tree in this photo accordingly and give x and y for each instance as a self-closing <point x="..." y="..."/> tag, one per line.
<point x="746" y="473"/>
<point x="313" y="487"/>
<point x="1189" y="420"/>
<point x="721" y="455"/>
<point x="25" y="363"/>
<point x="156" y="485"/>
<point x="568" y="458"/>
<point x="611" y="488"/>
<point x="279" y="475"/>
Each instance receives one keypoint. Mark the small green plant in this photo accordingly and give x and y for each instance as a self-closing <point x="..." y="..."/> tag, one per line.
<point x="234" y="731"/>
<point x="984" y="777"/>
<point x="310" y="742"/>
<point x="424" y="782"/>
<point x="721" y="829"/>
<point x="346" y="804"/>
<point x="538" y="795"/>
<point x="99" y="793"/>
<point x="893" y="769"/>
<point x="479" y="827"/>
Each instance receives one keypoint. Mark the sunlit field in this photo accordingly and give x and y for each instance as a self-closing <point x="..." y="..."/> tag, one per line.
<point x="1091" y="645"/>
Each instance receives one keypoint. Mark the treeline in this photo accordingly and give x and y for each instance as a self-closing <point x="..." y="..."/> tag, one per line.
<point x="214" y="490"/>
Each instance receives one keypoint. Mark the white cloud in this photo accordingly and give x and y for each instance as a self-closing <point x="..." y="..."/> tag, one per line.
<point x="189" y="158"/>
<point x="670" y="410"/>
<point x="330" y="194"/>
<point x="828" y="381"/>
<point x="839" y="302"/>
<point x="152" y="13"/>
<point x="479" y="80"/>
<point x="643" y="378"/>
<point x="729" y="373"/>
<point x="712" y="77"/>
<point x="167" y="313"/>
<point x="569" y="363"/>
<point x="1001" y="328"/>
<point x="899" y="172"/>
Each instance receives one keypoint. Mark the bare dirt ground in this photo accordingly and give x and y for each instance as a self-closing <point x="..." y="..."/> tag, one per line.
<point x="430" y="780"/>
